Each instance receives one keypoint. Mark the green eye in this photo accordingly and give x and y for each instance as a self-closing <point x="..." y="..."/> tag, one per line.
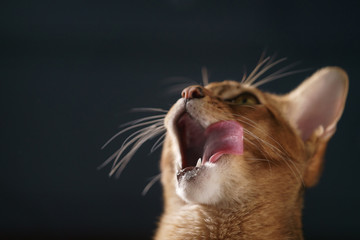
<point x="245" y="99"/>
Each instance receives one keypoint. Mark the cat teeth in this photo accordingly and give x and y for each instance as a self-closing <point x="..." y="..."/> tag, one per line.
<point x="179" y="165"/>
<point x="198" y="164"/>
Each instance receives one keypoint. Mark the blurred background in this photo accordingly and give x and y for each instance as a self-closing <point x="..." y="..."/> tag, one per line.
<point x="71" y="71"/>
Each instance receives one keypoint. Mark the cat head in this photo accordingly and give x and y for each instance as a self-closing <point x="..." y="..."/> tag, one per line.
<point x="228" y="142"/>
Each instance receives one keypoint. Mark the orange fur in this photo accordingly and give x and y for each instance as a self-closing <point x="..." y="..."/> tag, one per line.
<point x="262" y="190"/>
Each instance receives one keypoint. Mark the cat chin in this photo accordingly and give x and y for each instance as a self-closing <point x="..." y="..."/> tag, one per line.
<point x="202" y="185"/>
<point x="222" y="183"/>
<point x="207" y="184"/>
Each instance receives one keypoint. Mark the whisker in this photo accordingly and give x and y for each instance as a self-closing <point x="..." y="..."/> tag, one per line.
<point x="248" y="80"/>
<point x="120" y="166"/>
<point x="150" y="184"/>
<point x="260" y="159"/>
<point x="279" y="74"/>
<point x="248" y="106"/>
<point x="253" y="124"/>
<point x="158" y="143"/>
<point x="143" y="119"/>
<point x="244" y="77"/>
<point x="138" y="141"/>
<point x="129" y="128"/>
<point x="117" y="154"/>
<point x="263" y="70"/>
<point x="138" y="133"/>
<point x="140" y="109"/>
<point x="273" y="77"/>
<point x="282" y="154"/>
<point x="205" y="77"/>
<point x="266" y="143"/>
<point x="297" y="177"/>
<point x="148" y="128"/>
<point x="257" y="146"/>
<point x="298" y="171"/>
<point x="142" y="133"/>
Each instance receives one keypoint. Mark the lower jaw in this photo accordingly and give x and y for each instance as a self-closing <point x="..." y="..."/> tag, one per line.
<point x="191" y="173"/>
<point x="187" y="173"/>
<point x="199" y="184"/>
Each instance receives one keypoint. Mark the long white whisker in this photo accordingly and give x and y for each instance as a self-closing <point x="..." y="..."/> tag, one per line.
<point x="258" y="159"/>
<point x="257" y="146"/>
<point x="248" y="80"/>
<point x="282" y="154"/>
<point x="129" y="128"/>
<point x="297" y="170"/>
<point x="263" y="70"/>
<point x="115" y="156"/>
<point x="254" y="124"/>
<point x="146" y="133"/>
<point x="119" y="167"/>
<point x="150" y="184"/>
<point x="273" y="77"/>
<point x="297" y="176"/>
<point x="150" y="127"/>
<point x="279" y="74"/>
<point x="137" y="133"/>
<point x="283" y="158"/>
<point x="117" y="153"/>
<point x="143" y="119"/>
<point x="158" y="143"/>
<point x="149" y="110"/>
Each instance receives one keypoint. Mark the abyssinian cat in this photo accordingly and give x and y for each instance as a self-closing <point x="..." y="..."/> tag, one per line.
<point x="236" y="160"/>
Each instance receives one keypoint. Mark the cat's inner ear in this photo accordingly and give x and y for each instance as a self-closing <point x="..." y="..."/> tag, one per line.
<point x="317" y="104"/>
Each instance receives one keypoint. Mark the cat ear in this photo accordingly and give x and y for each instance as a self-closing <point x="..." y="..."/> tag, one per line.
<point x="318" y="101"/>
<point x="314" y="108"/>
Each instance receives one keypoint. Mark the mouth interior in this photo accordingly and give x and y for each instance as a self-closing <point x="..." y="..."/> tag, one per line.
<point x="223" y="137"/>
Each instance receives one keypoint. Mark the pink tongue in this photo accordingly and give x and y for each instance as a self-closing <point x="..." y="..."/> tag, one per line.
<point x="225" y="137"/>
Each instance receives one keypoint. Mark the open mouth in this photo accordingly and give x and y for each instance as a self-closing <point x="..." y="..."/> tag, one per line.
<point x="199" y="145"/>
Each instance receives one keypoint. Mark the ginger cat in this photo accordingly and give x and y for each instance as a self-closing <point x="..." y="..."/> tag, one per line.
<point x="236" y="160"/>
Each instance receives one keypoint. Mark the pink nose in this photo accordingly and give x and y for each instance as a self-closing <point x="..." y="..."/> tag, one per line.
<point x="193" y="92"/>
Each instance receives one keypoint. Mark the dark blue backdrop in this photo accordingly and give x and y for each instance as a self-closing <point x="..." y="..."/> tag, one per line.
<point x="70" y="72"/>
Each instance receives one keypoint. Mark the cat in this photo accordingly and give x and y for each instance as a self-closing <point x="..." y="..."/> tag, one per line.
<point x="236" y="160"/>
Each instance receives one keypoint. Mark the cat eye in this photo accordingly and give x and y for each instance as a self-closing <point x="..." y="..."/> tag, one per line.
<point x="244" y="99"/>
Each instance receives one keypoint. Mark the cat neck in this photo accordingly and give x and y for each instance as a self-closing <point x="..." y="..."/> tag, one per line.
<point x="250" y="221"/>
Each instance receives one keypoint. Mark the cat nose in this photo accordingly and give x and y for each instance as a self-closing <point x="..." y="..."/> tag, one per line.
<point x="193" y="92"/>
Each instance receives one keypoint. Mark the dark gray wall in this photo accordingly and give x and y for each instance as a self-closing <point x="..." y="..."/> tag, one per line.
<point x="70" y="72"/>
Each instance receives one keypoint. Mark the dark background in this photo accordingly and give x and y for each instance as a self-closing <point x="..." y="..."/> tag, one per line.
<point x="70" y="72"/>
